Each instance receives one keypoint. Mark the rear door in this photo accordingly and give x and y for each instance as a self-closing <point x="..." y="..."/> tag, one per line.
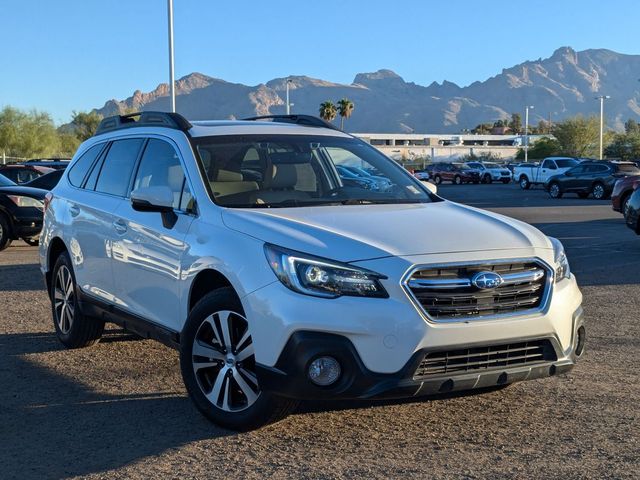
<point x="92" y="211"/>
<point x="148" y="270"/>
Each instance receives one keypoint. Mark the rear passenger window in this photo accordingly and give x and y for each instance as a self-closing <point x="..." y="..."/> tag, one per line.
<point x="160" y="167"/>
<point x="79" y="169"/>
<point x="115" y="173"/>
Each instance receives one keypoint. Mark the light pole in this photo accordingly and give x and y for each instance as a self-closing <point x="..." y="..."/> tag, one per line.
<point x="288" y="104"/>
<point x="602" y="99"/>
<point x="526" y="132"/>
<point x="172" y="91"/>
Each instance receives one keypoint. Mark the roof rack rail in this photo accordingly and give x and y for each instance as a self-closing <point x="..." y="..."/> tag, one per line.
<point x="144" y="119"/>
<point x="305" y="120"/>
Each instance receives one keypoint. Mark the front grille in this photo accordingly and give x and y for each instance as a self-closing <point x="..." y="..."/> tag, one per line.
<point x="448" y="293"/>
<point x="486" y="358"/>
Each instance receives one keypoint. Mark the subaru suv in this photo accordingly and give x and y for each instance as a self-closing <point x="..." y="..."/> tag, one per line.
<point x="238" y="244"/>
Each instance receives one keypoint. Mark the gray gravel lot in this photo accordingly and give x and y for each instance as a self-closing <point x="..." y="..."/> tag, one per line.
<point x="119" y="409"/>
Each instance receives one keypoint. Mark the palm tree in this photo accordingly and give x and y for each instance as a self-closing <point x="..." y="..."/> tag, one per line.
<point x="345" y="109"/>
<point x="328" y="110"/>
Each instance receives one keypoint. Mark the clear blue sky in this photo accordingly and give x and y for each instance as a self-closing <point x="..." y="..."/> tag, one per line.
<point x="64" y="55"/>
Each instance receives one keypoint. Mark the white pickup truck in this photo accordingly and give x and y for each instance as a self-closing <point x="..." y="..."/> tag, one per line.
<point x="537" y="174"/>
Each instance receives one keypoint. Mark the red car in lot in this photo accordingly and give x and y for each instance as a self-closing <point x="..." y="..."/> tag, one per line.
<point x="457" y="173"/>
<point x="622" y="191"/>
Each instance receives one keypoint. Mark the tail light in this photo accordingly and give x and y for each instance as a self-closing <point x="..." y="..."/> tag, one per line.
<point x="47" y="201"/>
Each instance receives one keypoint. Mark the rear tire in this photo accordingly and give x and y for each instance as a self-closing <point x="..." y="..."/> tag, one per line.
<point x="624" y="203"/>
<point x="524" y="183"/>
<point x="487" y="179"/>
<point x="218" y="366"/>
<point x="73" y="329"/>
<point x="437" y="179"/>
<point x="5" y="233"/>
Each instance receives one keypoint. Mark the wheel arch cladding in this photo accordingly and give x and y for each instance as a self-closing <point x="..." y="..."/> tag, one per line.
<point x="56" y="247"/>
<point x="207" y="281"/>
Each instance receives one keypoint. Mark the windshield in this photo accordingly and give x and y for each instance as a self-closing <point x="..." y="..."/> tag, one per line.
<point x="567" y="162"/>
<point x="262" y="171"/>
<point x="5" y="182"/>
<point x="491" y="165"/>
<point x="462" y="166"/>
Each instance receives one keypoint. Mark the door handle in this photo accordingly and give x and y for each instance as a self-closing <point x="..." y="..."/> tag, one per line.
<point x="120" y="226"/>
<point x="74" y="210"/>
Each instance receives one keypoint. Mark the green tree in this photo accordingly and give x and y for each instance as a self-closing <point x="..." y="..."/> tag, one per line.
<point x="482" y="129"/>
<point x="631" y="126"/>
<point x="579" y="136"/>
<point x="516" y="123"/>
<point x="544" y="147"/>
<point x="27" y="134"/>
<point x="345" y="109"/>
<point x="625" y="146"/>
<point x="328" y="110"/>
<point x="500" y="123"/>
<point x="85" y="124"/>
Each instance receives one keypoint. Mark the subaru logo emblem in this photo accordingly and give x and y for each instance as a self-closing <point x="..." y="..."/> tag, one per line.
<point x="486" y="280"/>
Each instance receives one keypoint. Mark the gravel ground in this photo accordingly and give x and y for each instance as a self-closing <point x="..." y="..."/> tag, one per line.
<point x="119" y="409"/>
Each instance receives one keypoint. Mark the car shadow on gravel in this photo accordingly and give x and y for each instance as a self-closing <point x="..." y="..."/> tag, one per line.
<point x="21" y="278"/>
<point x="52" y="426"/>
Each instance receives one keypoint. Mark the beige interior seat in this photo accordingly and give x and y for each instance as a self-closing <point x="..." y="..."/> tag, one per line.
<point x="282" y="186"/>
<point x="230" y="183"/>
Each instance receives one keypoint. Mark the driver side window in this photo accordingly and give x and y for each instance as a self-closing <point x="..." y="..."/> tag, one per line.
<point x="160" y="166"/>
<point x="549" y="164"/>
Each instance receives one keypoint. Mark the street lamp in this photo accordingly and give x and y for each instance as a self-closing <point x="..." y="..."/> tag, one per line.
<point x="602" y="99"/>
<point x="526" y="132"/>
<point x="288" y="104"/>
<point x="172" y="91"/>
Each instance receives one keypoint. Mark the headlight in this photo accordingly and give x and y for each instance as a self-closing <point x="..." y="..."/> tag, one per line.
<point x="560" y="260"/>
<point x="21" y="201"/>
<point x="320" y="277"/>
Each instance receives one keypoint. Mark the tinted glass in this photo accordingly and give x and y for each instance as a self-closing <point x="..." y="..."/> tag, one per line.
<point x="117" y="167"/>
<point x="628" y="169"/>
<point x="567" y="162"/>
<point x="80" y="168"/>
<point x="549" y="164"/>
<point x="5" y="182"/>
<point x="262" y="171"/>
<point x="160" y="167"/>
<point x="576" y="170"/>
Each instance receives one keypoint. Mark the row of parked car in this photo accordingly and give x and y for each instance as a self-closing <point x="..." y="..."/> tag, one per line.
<point x="470" y="172"/>
<point x="23" y="188"/>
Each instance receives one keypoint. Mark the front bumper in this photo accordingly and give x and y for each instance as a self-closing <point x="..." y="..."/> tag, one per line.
<point x="289" y="377"/>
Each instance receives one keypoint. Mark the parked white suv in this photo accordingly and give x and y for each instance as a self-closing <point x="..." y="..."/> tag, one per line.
<point x="238" y="243"/>
<point x="490" y="172"/>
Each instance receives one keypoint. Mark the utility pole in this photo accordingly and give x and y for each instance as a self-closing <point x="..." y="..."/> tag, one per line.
<point x="172" y="90"/>
<point x="602" y="99"/>
<point x="526" y="132"/>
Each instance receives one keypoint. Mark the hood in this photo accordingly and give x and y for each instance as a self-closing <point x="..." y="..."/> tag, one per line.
<point x="36" y="193"/>
<point x="362" y="232"/>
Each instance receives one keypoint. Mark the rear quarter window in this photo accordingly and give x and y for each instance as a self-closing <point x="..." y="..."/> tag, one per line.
<point x="79" y="170"/>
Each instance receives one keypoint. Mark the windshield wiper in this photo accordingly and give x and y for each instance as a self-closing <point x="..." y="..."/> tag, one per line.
<point x="379" y="201"/>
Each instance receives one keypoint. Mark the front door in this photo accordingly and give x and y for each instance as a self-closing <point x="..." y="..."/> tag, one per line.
<point x="148" y="271"/>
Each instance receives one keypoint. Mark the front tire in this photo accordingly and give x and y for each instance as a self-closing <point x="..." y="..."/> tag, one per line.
<point x="437" y="179"/>
<point x="524" y="183"/>
<point x="457" y="180"/>
<point x="73" y="329"/>
<point x="487" y="179"/>
<point x="5" y="233"/>
<point x="554" y="190"/>
<point x="218" y="366"/>
<point x="598" y="191"/>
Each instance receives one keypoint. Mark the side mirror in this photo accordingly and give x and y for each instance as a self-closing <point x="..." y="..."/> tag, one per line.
<point x="155" y="199"/>
<point x="430" y="186"/>
<point x="152" y="199"/>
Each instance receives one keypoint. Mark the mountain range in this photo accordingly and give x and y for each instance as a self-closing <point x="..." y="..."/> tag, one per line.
<point x="562" y="85"/>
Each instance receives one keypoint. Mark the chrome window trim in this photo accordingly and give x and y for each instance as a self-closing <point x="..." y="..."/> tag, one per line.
<point x="539" y="310"/>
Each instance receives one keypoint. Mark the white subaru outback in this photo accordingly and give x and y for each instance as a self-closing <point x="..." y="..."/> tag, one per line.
<point x="239" y="244"/>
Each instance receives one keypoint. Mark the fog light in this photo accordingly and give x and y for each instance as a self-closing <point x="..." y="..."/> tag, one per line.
<point x="324" y="371"/>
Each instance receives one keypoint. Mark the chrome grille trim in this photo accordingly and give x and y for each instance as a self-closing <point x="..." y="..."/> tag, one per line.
<point x="540" y="276"/>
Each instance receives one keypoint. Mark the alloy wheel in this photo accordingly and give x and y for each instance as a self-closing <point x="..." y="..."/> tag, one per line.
<point x="64" y="299"/>
<point x="554" y="190"/>
<point x="598" y="192"/>
<point x="224" y="362"/>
